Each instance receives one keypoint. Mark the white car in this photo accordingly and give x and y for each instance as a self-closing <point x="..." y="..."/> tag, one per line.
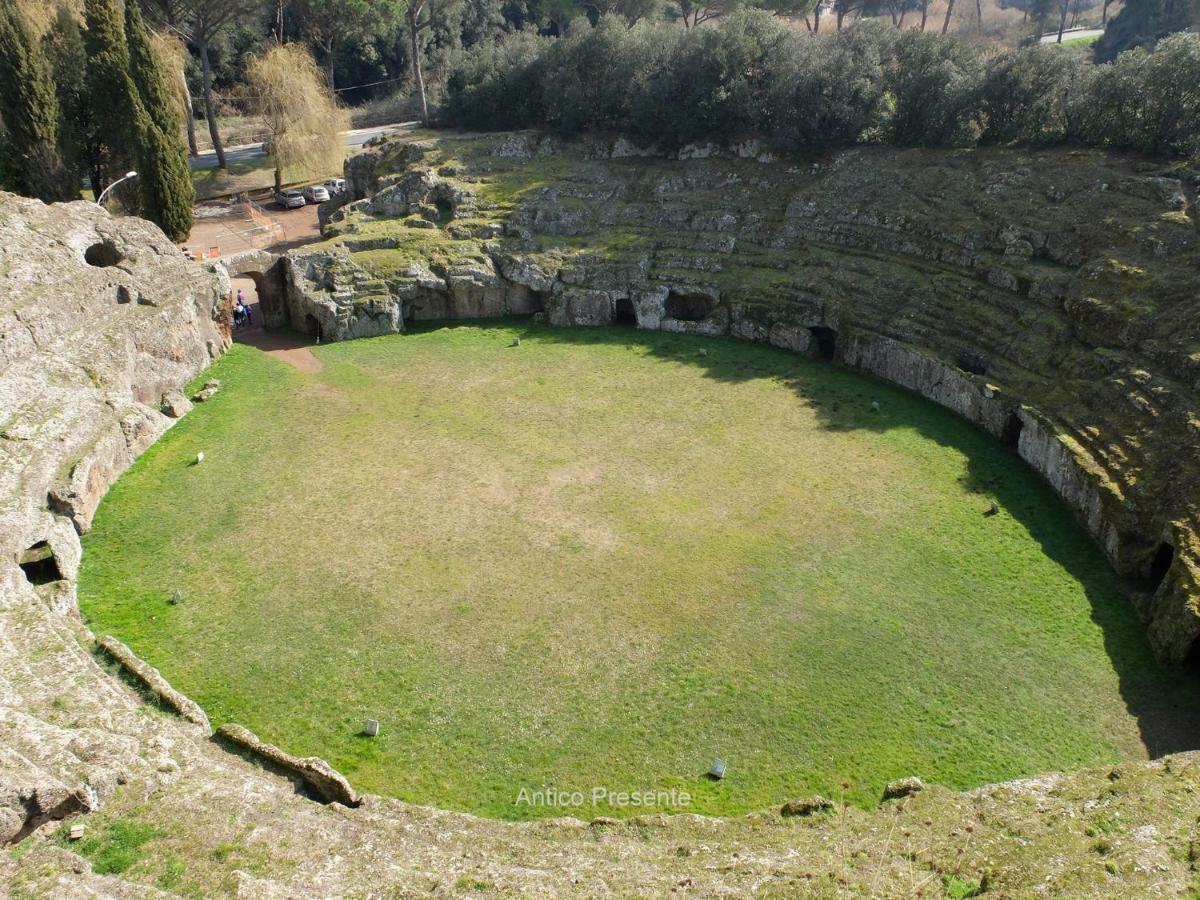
<point x="336" y="186"/>
<point x="316" y="193"/>
<point x="290" y="199"/>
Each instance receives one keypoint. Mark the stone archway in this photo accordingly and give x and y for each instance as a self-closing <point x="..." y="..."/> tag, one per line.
<point x="266" y="271"/>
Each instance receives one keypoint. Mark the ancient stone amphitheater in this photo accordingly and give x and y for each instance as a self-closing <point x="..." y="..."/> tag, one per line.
<point x="1052" y="298"/>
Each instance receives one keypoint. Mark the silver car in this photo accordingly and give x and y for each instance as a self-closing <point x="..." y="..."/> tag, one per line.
<point x="316" y="193"/>
<point x="335" y="186"/>
<point x="290" y="199"/>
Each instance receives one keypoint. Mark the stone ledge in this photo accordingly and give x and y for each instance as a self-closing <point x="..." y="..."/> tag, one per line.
<point x="323" y="778"/>
<point x="154" y="681"/>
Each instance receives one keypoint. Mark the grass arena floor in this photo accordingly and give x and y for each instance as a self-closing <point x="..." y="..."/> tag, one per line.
<point x="604" y="557"/>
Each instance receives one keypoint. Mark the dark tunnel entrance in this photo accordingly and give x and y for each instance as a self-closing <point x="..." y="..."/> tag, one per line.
<point x="826" y="342"/>
<point x="624" y="313"/>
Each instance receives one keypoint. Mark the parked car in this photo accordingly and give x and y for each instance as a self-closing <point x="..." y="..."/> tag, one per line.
<point x="316" y="193"/>
<point x="336" y="186"/>
<point x="290" y="199"/>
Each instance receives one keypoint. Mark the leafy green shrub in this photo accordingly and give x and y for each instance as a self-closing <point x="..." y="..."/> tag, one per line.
<point x="935" y="86"/>
<point x="714" y="86"/>
<point x="1027" y="94"/>
<point x="497" y="86"/>
<point x="1147" y="101"/>
<point x="746" y="75"/>
<point x="828" y="93"/>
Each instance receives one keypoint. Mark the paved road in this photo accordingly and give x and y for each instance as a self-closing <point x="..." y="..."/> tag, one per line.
<point x="249" y="152"/>
<point x="1072" y="35"/>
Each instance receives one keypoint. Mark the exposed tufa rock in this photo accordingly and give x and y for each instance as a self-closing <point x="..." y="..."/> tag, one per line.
<point x="174" y="404"/>
<point x="806" y="807"/>
<point x="153" y="680"/>
<point x="903" y="787"/>
<point x="318" y="774"/>
<point x="208" y="391"/>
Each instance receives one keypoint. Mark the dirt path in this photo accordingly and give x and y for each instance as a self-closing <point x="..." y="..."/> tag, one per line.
<point x="282" y="343"/>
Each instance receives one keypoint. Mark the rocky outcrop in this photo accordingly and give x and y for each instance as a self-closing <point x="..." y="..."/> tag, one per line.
<point x="1051" y="298"/>
<point x="103" y="322"/>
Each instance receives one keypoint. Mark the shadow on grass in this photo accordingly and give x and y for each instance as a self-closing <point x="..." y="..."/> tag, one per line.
<point x="1165" y="704"/>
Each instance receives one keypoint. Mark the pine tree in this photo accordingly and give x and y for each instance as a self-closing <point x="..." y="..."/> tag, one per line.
<point x="113" y="98"/>
<point x="166" y="178"/>
<point x="29" y="109"/>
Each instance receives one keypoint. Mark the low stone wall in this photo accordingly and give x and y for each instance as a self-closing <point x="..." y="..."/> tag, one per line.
<point x="328" y="782"/>
<point x="154" y="682"/>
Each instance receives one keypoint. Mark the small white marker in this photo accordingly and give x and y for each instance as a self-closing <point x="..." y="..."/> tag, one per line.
<point x="372" y="728"/>
<point x="200" y="457"/>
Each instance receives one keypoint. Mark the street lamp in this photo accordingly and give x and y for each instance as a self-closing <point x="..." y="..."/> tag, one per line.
<point x="103" y="193"/>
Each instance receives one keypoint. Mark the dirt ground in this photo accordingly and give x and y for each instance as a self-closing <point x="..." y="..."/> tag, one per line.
<point x="229" y="228"/>
<point x="223" y="228"/>
<point x="282" y="343"/>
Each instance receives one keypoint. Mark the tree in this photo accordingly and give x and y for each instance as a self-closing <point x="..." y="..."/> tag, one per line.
<point x="166" y="179"/>
<point x="329" y="22"/>
<point x="1143" y="23"/>
<point x="697" y="12"/>
<point x="419" y="16"/>
<point x="112" y="97"/>
<point x="826" y="94"/>
<point x="29" y="109"/>
<point x="1026" y="94"/>
<point x="303" y="121"/>
<point x="78" y="137"/>
<point x="949" y="13"/>
<point x="935" y="85"/>
<point x="200" y="22"/>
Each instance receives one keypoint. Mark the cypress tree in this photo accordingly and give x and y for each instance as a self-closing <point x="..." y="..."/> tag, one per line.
<point x="166" y="177"/>
<point x="29" y="108"/>
<point x="112" y="96"/>
<point x="77" y="136"/>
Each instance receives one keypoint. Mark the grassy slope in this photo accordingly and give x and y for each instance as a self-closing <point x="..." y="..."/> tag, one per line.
<point x="603" y="559"/>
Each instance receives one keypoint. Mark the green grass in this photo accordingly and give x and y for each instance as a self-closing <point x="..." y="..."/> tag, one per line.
<point x="115" y="848"/>
<point x="602" y="559"/>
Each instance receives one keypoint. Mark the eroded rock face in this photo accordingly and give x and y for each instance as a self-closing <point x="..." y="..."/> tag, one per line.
<point x="1051" y="298"/>
<point x="102" y="323"/>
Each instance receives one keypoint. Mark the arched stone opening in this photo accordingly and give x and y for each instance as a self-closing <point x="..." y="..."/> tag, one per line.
<point x="688" y="307"/>
<point x="825" y="340"/>
<point x="1161" y="564"/>
<point x="1010" y="434"/>
<point x="40" y="565"/>
<point x="268" y="294"/>
<point x="975" y="363"/>
<point x="267" y="273"/>
<point x="102" y="255"/>
<point x="247" y="288"/>
<point x="624" y="313"/>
